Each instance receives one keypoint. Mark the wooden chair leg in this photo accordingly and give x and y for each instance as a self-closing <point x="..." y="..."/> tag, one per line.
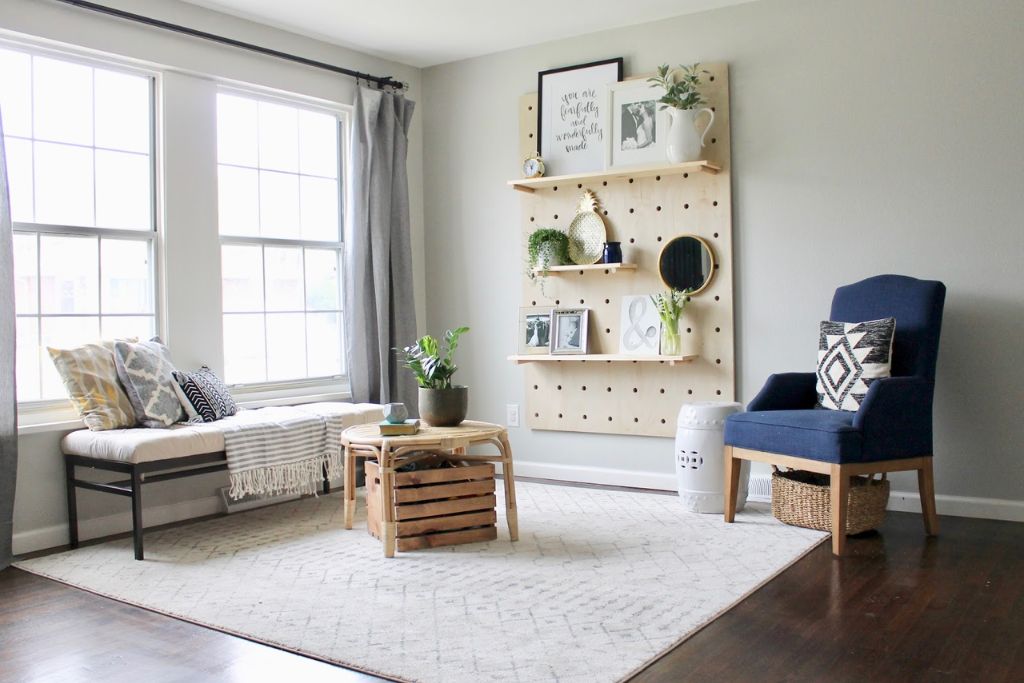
<point x="926" y="489"/>
<point x="732" y="483"/>
<point x="839" y="484"/>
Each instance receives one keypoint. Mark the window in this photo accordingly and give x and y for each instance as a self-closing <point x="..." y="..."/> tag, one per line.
<point x="79" y="144"/>
<point x="279" y="186"/>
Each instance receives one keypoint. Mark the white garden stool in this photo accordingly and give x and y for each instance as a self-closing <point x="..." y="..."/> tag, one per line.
<point x="700" y="447"/>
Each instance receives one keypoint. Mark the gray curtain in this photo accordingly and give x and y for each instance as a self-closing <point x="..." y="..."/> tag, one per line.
<point x="380" y="313"/>
<point x="8" y="398"/>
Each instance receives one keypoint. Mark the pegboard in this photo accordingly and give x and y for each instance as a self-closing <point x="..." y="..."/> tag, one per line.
<point x="643" y="213"/>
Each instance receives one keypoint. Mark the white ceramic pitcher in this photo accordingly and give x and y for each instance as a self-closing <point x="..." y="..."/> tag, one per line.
<point x="684" y="142"/>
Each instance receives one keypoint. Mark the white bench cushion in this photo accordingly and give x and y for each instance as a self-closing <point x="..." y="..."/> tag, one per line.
<point x="139" y="445"/>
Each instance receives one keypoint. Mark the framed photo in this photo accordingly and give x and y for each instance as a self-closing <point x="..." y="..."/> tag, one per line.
<point x="571" y="135"/>
<point x="569" y="330"/>
<point x="534" y="330"/>
<point x="639" y="326"/>
<point x="637" y="127"/>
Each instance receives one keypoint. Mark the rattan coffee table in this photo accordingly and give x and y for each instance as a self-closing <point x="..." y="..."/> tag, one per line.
<point x="392" y="452"/>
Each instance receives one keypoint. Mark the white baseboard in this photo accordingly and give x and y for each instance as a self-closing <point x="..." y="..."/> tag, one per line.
<point x="899" y="501"/>
<point x="32" y="540"/>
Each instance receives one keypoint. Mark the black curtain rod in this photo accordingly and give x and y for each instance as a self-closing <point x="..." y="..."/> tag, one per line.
<point x="381" y="81"/>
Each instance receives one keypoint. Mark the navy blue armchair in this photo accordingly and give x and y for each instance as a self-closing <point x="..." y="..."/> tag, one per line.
<point x="892" y="429"/>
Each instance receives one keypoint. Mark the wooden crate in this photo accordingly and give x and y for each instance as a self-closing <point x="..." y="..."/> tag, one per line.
<point x="444" y="506"/>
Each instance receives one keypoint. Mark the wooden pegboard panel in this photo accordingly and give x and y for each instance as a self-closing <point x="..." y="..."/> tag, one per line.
<point x="643" y="213"/>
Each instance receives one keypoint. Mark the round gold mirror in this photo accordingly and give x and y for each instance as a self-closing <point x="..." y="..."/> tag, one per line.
<point x="687" y="263"/>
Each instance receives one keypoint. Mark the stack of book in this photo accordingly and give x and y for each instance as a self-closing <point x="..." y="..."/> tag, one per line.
<point x="410" y="426"/>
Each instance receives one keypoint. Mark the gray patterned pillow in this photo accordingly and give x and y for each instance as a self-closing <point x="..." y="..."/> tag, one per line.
<point x="850" y="357"/>
<point x="145" y="372"/>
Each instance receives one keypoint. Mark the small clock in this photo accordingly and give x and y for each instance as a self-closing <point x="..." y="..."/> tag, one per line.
<point x="533" y="167"/>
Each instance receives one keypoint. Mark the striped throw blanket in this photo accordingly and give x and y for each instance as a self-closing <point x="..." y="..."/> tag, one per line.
<point x="285" y="449"/>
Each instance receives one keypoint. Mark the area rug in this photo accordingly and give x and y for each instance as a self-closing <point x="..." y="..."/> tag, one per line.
<point x="600" y="583"/>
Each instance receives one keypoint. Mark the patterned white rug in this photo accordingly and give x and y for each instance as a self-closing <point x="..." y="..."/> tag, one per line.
<point x="599" y="584"/>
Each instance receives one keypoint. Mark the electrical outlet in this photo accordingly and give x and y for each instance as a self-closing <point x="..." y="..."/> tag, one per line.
<point x="512" y="415"/>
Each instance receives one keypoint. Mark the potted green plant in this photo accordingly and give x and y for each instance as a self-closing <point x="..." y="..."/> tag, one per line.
<point x="545" y="247"/>
<point x="684" y="101"/>
<point x="670" y="307"/>
<point x="432" y="363"/>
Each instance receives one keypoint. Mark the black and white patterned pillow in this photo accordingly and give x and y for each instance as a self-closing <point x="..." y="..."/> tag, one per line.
<point x="850" y="357"/>
<point x="204" y="396"/>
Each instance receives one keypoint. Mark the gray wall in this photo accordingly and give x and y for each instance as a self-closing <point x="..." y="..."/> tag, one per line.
<point x="868" y="137"/>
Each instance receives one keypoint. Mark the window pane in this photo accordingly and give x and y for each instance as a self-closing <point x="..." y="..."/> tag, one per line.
<point x="128" y="326"/>
<point x="242" y="274"/>
<point x="286" y="346"/>
<point x="19" y="176"/>
<point x="69" y="274"/>
<point x="236" y="131"/>
<point x="62" y="106"/>
<point x="318" y="144"/>
<point x="16" y="92"/>
<point x="127" y="277"/>
<point x="324" y="342"/>
<point x="279" y="137"/>
<point x="319" y="209"/>
<point x="322" y="281"/>
<point x="28" y="359"/>
<point x="122" y="111"/>
<point x="123" y="190"/>
<point x="238" y="201"/>
<point x="284" y="278"/>
<point x="64" y="184"/>
<point x="26" y="274"/>
<point x="279" y="205"/>
<point x="245" y="350"/>
<point x="63" y="333"/>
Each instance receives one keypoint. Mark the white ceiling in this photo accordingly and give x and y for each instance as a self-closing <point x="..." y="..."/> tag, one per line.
<point x="427" y="32"/>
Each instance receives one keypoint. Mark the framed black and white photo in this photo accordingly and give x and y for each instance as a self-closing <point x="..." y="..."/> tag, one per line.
<point x="534" y="330"/>
<point x="637" y="125"/>
<point x="571" y="134"/>
<point x="569" y="330"/>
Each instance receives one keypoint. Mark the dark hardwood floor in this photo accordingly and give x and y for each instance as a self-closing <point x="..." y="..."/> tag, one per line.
<point x="899" y="607"/>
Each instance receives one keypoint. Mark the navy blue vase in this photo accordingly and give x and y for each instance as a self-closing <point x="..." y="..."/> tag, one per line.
<point x="612" y="252"/>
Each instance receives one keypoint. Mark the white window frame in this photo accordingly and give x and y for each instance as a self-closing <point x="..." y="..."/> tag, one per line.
<point x="327" y="388"/>
<point x="59" y="410"/>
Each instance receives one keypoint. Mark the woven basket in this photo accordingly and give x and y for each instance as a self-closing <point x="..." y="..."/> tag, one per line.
<point x="804" y="499"/>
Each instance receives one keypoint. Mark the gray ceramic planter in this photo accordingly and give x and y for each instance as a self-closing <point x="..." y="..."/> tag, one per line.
<point x="444" y="407"/>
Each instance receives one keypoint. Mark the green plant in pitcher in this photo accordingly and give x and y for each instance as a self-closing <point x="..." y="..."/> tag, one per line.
<point x="681" y="91"/>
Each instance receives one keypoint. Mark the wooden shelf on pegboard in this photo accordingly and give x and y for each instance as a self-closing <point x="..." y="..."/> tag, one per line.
<point x="646" y="171"/>
<point x="608" y="268"/>
<point x="599" y="358"/>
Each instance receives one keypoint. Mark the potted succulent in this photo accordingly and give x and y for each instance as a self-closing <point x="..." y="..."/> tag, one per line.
<point x="683" y="101"/>
<point x="670" y="307"/>
<point x="440" y="403"/>
<point x="546" y="247"/>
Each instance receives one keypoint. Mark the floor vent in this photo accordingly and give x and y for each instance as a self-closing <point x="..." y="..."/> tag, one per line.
<point x="760" y="488"/>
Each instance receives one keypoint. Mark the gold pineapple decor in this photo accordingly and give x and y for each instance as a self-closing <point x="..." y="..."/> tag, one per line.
<point x="587" y="232"/>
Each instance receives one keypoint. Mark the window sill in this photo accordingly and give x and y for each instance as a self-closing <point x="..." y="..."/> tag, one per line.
<point x="46" y="427"/>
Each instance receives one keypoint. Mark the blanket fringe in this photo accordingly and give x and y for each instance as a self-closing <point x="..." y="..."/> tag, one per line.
<point x="302" y="477"/>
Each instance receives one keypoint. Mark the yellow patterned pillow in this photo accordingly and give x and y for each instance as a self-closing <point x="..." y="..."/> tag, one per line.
<point x="90" y="378"/>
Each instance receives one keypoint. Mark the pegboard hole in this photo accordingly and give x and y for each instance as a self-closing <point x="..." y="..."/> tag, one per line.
<point x="606" y="212"/>
<point x="712" y="78"/>
<point x="607" y="301"/>
<point x="689" y="391"/>
<point x="607" y="330"/>
<point x="535" y="387"/>
<point x="659" y="238"/>
<point x="556" y="216"/>
<point x="605" y="183"/>
<point x="718" y="391"/>
<point x="579" y="186"/>
<point x="657" y="177"/>
<point x="531" y="219"/>
<point x="584" y="387"/>
<point x="533" y="303"/>
<point x="662" y="420"/>
<point x="531" y="135"/>
<point x="555" y="188"/>
<point x="636" y="419"/>
<point x="582" y="302"/>
<point x="686" y="175"/>
<point x="609" y="418"/>
<point x="630" y="180"/>
<point x="557" y="302"/>
<point x="536" y="414"/>
<point x="689" y="330"/>
<point x="716" y="235"/>
<point x="559" y="387"/>
<point x="609" y="389"/>
<point x="661" y="391"/>
<point x="631" y="210"/>
<point x="718" y="329"/>
<point x="632" y="240"/>
<point x="559" y="416"/>
<point x="717" y="265"/>
<point x="686" y="206"/>
<point x="714" y="140"/>
<point x="714" y="203"/>
<point x="717" y="298"/>
<point x="584" y="417"/>
<point x="657" y="208"/>
<point x="634" y="390"/>
<point x="530" y="108"/>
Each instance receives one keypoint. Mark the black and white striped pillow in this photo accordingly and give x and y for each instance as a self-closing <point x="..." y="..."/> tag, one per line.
<point x="204" y="396"/>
